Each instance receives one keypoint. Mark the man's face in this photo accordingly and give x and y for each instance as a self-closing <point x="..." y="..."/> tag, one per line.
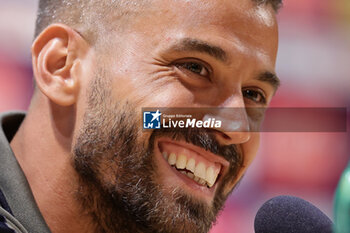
<point x="174" y="54"/>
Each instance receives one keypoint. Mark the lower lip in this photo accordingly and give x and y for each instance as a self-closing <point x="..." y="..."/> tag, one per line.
<point x="195" y="188"/>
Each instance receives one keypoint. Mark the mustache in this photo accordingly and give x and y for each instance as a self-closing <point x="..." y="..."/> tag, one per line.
<point x="204" y="138"/>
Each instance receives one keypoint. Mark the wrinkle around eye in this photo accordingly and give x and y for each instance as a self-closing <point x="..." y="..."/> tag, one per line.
<point x="191" y="79"/>
<point x="174" y="69"/>
<point x="161" y="74"/>
<point x="195" y="68"/>
<point x="188" y="66"/>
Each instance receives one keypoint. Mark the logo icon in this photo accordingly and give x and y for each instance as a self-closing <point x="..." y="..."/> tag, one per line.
<point x="151" y="120"/>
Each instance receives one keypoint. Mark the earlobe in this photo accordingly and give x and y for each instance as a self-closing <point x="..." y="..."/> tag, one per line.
<point x="56" y="54"/>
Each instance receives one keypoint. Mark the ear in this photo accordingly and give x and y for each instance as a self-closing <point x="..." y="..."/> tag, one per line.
<point x="57" y="54"/>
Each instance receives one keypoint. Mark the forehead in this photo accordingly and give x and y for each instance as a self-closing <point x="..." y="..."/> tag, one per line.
<point x="219" y="13"/>
<point x="249" y="28"/>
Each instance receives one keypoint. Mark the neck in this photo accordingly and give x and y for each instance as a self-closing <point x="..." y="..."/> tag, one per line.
<point x="42" y="149"/>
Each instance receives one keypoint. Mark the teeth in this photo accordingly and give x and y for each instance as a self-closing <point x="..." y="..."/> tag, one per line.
<point x="201" y="181"/>
<point x="181" y="162"/>
<point x="190" y="174"/>
<point x="210" y="176"/>
<point x="200" y="171"/>
<point x="191" y="164"/>
<point x="165" y="155"/>
<point x="172" y="159"/>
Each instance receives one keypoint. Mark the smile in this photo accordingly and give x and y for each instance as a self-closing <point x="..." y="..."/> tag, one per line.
<point x="194" y="166"/>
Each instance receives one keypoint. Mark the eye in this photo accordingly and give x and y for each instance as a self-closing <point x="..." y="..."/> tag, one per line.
<point x="194" y="67"/>
<point x="255" y="95"/>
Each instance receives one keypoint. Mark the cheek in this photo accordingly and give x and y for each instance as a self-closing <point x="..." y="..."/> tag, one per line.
<point x="172" y="94"/>
<point x="250" y="149"/>
<point x="146" y="91"/>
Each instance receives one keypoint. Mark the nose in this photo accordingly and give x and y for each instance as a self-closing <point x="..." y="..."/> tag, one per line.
<point x="235" y="127"/>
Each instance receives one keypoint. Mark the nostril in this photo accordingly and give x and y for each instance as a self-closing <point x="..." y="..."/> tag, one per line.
<point x="220" y="133"/>
<point x="228" y="138"/>
<point x="225" y="136"/>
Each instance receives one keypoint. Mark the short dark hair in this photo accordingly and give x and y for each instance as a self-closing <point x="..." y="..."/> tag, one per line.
<point x="84" y="15"/>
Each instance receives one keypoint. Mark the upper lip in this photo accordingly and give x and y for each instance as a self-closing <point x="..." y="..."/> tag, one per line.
<point x="202" y="152"/>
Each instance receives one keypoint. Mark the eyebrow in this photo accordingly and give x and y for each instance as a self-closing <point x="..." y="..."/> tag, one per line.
<point x="270" y="78"/>
<point x="189" y="44"/>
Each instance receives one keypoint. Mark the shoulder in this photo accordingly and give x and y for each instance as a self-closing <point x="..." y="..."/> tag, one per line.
<point x="8" y="223"/>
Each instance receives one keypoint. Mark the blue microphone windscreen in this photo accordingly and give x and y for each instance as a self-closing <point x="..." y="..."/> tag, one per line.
<point x="288" y="214"/>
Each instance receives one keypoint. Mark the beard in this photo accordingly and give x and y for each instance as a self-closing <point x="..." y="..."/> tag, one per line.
<point x="119" y="188"/>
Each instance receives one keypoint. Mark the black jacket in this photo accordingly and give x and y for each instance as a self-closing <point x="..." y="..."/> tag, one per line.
<point x="18" y="210"/>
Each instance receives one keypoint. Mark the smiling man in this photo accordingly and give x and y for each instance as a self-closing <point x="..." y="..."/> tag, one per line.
<point x="79" y="161"/>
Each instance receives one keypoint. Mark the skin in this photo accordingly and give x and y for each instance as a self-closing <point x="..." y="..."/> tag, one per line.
<point x="145" y="69"/>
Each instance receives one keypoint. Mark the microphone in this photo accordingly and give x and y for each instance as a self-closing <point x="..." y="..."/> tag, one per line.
<point x="288" y="214"/>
